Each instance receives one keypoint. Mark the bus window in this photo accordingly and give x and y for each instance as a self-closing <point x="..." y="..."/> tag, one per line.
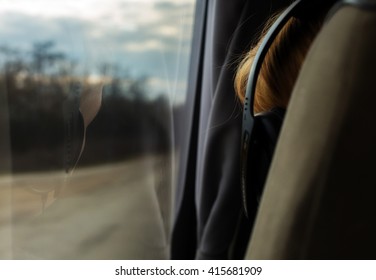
<point x="88" y="94"/>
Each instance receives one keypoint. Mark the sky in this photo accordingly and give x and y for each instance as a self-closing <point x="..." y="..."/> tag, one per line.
<point x="143" y="37"/>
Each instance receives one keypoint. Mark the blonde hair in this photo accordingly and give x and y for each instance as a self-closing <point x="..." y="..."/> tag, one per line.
<point x="281" y="64"/>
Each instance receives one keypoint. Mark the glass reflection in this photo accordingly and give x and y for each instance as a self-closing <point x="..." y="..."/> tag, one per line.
<point x="88" y="96"/>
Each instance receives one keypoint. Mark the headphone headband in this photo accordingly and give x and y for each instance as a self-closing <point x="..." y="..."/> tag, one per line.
<point x="302" y="9"/>
<point x="248" y="111"/>
<point x="261" y="53"/>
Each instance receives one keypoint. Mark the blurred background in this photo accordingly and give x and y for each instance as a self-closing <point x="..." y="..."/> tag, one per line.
<point x="91" y="94"/>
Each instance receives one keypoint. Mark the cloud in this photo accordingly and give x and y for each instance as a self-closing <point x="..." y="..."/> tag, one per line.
<point x="83" y="9"/>
<point x="150" y="37"/>
<point x="144" y="46"/>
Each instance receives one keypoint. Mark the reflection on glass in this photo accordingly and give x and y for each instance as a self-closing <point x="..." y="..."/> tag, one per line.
<point x="88" y="96"/>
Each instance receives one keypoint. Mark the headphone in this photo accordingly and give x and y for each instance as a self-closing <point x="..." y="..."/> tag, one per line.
<point x="260" y="132"/>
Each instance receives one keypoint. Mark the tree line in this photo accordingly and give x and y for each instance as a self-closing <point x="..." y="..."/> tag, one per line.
<point x="41" y="82"/>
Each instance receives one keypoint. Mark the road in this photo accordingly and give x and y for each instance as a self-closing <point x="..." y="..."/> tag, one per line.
<point x="115" y="211"/>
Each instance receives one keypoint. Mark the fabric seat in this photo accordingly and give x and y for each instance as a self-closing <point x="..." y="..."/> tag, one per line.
<point x="320" y="196"/>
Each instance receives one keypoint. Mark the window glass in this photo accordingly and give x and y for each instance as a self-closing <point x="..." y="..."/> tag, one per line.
<point x="88" y="92"/>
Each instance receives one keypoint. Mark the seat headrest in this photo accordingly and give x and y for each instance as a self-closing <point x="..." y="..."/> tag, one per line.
<point x="369" y="4"/>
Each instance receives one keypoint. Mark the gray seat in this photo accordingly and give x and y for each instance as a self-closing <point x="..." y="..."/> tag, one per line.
<point x="320" y="197"/>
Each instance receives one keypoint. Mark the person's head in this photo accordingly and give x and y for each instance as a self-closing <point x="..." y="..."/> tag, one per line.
<point x="281" y="65"/>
